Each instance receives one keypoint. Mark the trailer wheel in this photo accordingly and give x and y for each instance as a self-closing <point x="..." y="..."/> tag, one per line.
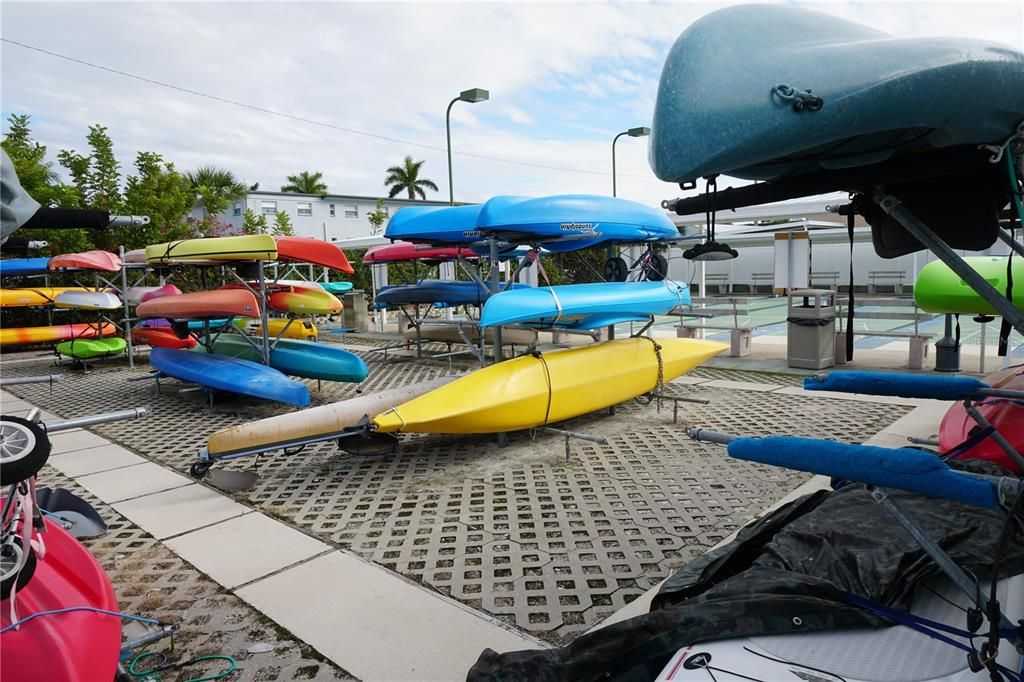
<point x="24" y="449"/>
<point x="11" y="556"/>
<point x="616" y="269"/>
<point x="657" y="268"/>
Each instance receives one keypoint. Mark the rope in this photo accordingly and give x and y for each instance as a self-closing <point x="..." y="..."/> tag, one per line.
<point x="547" y="379"/>
<point x="162" y="665"/>
<point x="802" y="100"/>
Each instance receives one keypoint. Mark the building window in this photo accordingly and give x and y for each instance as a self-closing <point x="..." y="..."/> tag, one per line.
<point x="386" y="210"/>
<point x="332" y="210"/>
<point x="351" y="211"/>
<point x="268" y="207"/>
<point x="305" y="208"/>
<point x="236" y="209"/>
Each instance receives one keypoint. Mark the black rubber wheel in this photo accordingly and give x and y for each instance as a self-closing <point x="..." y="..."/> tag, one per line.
<point x="24" y="449"/>
<point x="180" y="328"/>
<point x="10" y="556"/>
<point x="199" y="469"/>
<point x="616" y="269"/>
<point x="657" y="268"/>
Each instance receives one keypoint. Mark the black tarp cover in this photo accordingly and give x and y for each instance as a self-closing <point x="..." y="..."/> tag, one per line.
<point x="783" y="574"/>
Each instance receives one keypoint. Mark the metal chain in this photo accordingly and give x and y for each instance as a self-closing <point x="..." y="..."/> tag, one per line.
<point x="660" y="385"/>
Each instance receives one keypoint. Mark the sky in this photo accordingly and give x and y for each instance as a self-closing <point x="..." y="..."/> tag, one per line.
<point x="563" y="80"/>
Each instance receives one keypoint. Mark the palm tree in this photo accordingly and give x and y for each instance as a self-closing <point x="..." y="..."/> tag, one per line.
<point x="215" y="187"/>
<point x="405" y="178"/>
<point x="306" y="183"/>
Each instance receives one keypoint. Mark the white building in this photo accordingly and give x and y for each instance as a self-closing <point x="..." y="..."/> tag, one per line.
<point x="331" y="217"/>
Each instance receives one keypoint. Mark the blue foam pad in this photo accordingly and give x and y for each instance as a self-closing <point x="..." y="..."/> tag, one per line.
<point x="906" y="469"/>
<point x="900" y="385"/>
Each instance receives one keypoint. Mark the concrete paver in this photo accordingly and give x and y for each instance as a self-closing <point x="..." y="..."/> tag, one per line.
<point x="742" y="385"/>
<point x="70" y="441"/>
<point x="245" y="548"/>
<point x="381" y="626"/>
<point x="94" y="460"/>
<point x="180" y="510"/>
<point x="132" y="481"/>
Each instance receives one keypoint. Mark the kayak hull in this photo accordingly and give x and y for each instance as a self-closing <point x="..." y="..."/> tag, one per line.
<point x="403" y="252"/>
<point x="882" y="96"/>
<point x="21" y="336"/>
<point x="240" y="248"/>
<point x="79" y="645"/>
<point x="316" y="421"/>
<point x="87" y="260"/>
<point x="298" y="329"/>
<point x="141" y="294"/>
<point x="20" y="267"/>
<point x="160" y="337"/>
<point x="448" y="292"/>
<point x="531" y="391"/>
<point x="940" y="290"/>
<point x="315" y="251"/>
<point x="88" y="349"/>
<point x="299" y="358"/>
<point x="229" y="374"/>
<point x="336" y="287"/>
<point x="28" y="298"/>
<point x="201" y="305"/>
<point x="1006" y="415"/>
<point x="87" y="300"/>
<point x="304" y="302"/>
<point x="584" y="306"/>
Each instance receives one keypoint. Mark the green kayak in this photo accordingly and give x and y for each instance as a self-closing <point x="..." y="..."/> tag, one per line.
<point x="939" y="290"/>
<point x="86" y="349"/>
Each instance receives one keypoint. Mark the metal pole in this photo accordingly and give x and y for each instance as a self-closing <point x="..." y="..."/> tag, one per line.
<point x="493" y="289"/>
<point x="614" y="186"/>
<point x="264" y="318"/>
<point x="127" y="310"/>
<point x="1008" y="239"/>
<point x="448" y="134"/>
<point x="46" y="378"/>
<point x="924" y="234"/>
<point x="79" y="422"/>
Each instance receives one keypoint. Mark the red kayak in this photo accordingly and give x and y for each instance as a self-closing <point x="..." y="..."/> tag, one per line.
<point x="161" y="337"/>
<point x="202" y="305"/>
<point x="87" y="260"/>
<point x="1004" y="414"/>
<point x="315" y="251"/>
<point x="407" y="251"/>
<point x="78" y="645"/>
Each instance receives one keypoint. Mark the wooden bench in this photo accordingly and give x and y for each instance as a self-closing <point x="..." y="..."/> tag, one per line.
<point x="893" y="276"/>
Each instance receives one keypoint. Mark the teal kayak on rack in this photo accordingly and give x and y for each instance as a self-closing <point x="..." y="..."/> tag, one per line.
<point x="298" y="358"/>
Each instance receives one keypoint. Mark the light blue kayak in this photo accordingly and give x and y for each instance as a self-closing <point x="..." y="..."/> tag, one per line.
<point x="584" y="306"/>
<point x="719" y="109"/>
<point x="19" y="267"/>
<point x="336" y="287"/>
<point x="560" y="223"/>
<point x="229" y="374"/>
<point x="298" y="358"/>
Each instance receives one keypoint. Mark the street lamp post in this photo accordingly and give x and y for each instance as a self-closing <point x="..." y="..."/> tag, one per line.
<point x="632" y="132"/>
<point x="472" y="96"/>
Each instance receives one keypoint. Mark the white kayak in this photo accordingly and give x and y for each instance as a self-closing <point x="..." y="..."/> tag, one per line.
<point x="87" y="300"/>
<point x="894" y="654"/>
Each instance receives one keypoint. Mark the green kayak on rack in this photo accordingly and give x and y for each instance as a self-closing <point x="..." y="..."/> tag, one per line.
<point x="88" y="349"/>
<point x="940" y="290"/>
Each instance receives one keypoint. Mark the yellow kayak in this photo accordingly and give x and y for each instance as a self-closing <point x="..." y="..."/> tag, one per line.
<point x="531" y="391"/>
<point x="299" y="329"/>
<point x="241" y="248"/>
<point x="24" y="298"/>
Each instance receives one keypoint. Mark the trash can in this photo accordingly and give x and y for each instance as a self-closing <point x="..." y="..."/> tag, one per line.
<point x="355" y="314"/>
<point x="811" y="332"/>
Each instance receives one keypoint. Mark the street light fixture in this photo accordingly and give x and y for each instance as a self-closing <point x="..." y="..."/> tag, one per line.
<point x="632" y="132"/>
<point x="473" y="95"/>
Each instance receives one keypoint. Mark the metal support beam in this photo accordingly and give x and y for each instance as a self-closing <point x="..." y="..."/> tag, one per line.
<point x="895" y="208"/>
<point x="1008" y="239"/>
<point x="494" y="288"/>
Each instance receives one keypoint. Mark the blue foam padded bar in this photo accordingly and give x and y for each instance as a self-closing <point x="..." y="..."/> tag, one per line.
<point x="900" y="385"/>
<point x="905" y="469"/>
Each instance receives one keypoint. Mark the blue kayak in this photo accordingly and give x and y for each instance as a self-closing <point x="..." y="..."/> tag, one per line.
<point x="19" y="267"/>
<point x="447" y="292"/>
<point x="584" y="306"/>
<point x="298" y="358"/>
<point x="560" y="223"/>
<point x="733" y="95"/>
<point x="229" y="374"/>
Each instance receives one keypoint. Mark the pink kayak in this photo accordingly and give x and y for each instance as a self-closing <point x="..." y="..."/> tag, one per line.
<point x="78" y="645"/>
<point x="87" y="260"/>
<point x="407" y="251"/>
<point x="1006" y="415"/>
<point x="140" y="294"/>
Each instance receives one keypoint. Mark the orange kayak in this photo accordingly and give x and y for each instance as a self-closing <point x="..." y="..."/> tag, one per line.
<point x="304" y="301"/>
<point x="161" y="337"/>
<point x="20" y="336"/>
<point x="202" y="305"/>
<point x="87" y="260"/>
<point x="315" y="251"/>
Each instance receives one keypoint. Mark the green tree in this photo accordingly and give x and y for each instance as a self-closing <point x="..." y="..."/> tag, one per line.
<point x="42" y="183"/>
<point x="253" y="222"/>
<point x="377" y="217"/>
<point x="97" y="175"/>
<point x="215" y="188"/>
<point x="306" y="183"/>
<point x="163" y="194"/>
<point x="406" y="178"/>
<point x="282" y="225"/>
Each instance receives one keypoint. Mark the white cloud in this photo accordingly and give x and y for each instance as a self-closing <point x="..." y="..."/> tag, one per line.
<point x="564" y="78"/>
